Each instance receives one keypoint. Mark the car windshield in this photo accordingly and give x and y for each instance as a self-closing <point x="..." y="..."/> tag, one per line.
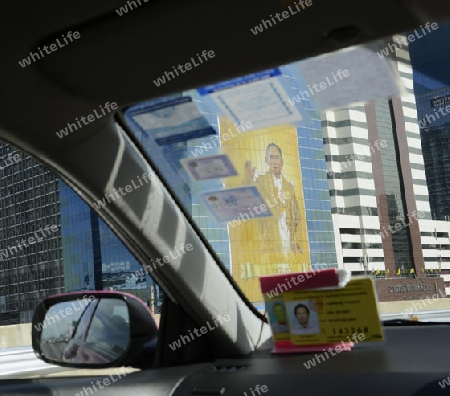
<point x="339" y="161"/>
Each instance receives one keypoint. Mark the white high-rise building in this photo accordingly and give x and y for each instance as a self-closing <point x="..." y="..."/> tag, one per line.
<point x="379" y="195"/>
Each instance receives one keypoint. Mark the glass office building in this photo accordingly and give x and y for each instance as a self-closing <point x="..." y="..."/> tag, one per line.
<point x="52" y="242"/>
<point x="304" y="162"/>
<point x="31" y="257"/>
<point x="430" y="60"/>
<point x="313" y="165"/>
<point x="93" y="257"/>
<point x="383" y="188"/>
<point x="394" y="189"/>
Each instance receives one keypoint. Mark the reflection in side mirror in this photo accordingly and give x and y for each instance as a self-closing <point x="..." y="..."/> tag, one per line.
<point x="93" y="330"/>
<point x="88" y="331"/>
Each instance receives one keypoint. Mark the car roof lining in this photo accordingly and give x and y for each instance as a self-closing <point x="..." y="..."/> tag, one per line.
<point x="117" y="58"/>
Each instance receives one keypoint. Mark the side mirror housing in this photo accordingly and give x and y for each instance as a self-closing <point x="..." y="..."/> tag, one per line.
<point x="97" y="329"/>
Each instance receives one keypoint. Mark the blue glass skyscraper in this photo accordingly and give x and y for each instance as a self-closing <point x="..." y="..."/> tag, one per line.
<point x="430" y="59"/>
<point x="93" y="256"/>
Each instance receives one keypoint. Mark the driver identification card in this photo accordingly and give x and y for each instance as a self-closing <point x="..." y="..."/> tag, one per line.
<point x="348" y="314"/>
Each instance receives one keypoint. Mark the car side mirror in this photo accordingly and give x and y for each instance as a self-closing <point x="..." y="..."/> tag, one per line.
<point x="95" y="329"/>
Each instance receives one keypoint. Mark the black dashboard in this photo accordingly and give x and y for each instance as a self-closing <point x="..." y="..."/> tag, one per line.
<point x="411" y="361"/>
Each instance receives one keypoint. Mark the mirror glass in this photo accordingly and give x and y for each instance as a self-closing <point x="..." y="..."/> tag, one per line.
<point x="86" y="331"/>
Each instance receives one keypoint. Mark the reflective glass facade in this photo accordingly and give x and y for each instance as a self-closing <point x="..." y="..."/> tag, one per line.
<point x="393" y="184"/>
<point x="314" y="173"/>
<point x="94" y="258"/>
<point x="30" y="256"/>
<point x="308" y="147"/>
<point x="52" y="242"/>
<point x="436" y="154"/>
<point x="430" y="59"/>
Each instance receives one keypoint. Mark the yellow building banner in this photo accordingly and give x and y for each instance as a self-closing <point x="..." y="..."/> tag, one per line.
<point x="267" y="245"/>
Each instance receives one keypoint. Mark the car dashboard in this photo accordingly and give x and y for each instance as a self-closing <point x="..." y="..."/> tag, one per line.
<point x="412" y="361"/>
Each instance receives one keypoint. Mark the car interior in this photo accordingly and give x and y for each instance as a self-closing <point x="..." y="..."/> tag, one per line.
<point x="114" y="59"/>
